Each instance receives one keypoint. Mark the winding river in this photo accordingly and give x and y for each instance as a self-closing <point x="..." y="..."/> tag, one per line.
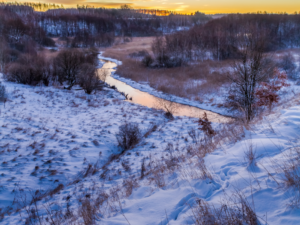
<point x="143" y="98"/>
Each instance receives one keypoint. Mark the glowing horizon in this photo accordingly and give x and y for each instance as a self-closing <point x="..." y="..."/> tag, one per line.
<point x="189" y="6"/>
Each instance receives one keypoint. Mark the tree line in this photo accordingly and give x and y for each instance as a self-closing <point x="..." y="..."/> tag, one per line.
<point x="224" y="38"/>
<point x="23" y="30"/>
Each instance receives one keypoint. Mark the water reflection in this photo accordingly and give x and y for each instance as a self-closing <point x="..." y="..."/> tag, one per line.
<point x="146" y="99"/>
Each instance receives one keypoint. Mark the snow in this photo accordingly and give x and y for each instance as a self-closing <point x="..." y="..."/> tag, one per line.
<point x="39" y="124"/>
<point x="109" y="59"/>
<point x="64" y="125"/>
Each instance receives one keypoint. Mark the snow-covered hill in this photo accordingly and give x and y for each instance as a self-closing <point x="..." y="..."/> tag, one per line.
<point x="61" y="143"/>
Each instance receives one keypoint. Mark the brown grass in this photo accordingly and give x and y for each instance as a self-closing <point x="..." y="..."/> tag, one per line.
<point x="278" y="55"/>
<point x="176" y="81"/>
<point x="121" y="51"/>
<point x="49" y="54"/>
<point x="240" y="211"/>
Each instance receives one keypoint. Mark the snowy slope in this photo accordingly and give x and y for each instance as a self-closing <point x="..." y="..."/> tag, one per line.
<point x="48" y="135"/>
<point x="60" y="130"/>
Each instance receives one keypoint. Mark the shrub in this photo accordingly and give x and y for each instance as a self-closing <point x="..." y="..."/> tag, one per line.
<point x="128" y="136"/>
<point x="48" y="42"/>
<point x="24" y="74"/>
<point x="147" y="61"/>
<point x="174" y="62"/>
<point x="69" y="64"/>
<point x="162" y="60"/>
<point x="205" y="126"/>
<point x="166" y="61"/>
<point x="267" y="93"/>
<point x="88" y="78"/>
<point x="169" y="106"/>
<point x="30" y="69"/>
<point x="129" y="184"/>
<point x="195" y="135"/>
<point x="88" y="212"/>
<point x="139" y="54"/>
<point x="240" y="212"/>
<point x="2" y="93"/>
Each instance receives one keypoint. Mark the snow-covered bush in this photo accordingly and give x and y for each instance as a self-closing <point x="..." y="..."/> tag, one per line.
<point x="128" y="136"/>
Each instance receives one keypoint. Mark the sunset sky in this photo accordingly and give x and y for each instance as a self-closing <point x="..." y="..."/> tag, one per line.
<point x="188" y="6"/>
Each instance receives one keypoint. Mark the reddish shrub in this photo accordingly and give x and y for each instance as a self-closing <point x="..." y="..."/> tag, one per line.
<point x="267" y="93"/>
<point x="205" y="126"/>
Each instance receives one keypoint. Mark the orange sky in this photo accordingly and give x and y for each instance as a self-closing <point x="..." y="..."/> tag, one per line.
<point x="188" y="6"/>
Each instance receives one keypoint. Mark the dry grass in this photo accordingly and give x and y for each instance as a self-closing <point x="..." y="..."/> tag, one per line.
<point x="278" y="54"/>
<point x="49" y="54"/>
<point x="177" y="81"/>
<point x="236" y="212"/>
<point x="286" y="173"/>
<point x="122" y="50"/>
<point x="250" y="154"/>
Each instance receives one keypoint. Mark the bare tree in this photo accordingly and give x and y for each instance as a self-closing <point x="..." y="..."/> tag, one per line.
<point x="15" y="29"/>
<point x="68" y="64"/>
<point x="3" y="56"/>
<point x="248" y="72"/>
<point x="159" y="49"/>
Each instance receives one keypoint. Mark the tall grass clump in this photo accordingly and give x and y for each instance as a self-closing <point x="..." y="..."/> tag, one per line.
<point x="128" y="136"/>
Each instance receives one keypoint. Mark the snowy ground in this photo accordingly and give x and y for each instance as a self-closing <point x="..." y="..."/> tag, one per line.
<point x="49" y="136"/>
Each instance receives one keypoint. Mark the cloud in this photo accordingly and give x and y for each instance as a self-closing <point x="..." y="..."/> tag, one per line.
<point x="181" y="7"/>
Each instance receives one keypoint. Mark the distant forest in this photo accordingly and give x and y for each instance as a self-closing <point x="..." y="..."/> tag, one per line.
<point x="24" y="27"/>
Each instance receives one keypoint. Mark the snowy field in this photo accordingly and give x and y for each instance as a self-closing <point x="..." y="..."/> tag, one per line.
<point x="59" y="140"/>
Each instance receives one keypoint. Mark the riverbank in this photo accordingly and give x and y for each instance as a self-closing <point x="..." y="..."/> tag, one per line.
<point x="201" y="84"/>
<point x="162" y="102"/>
<point x="213" y="104"/>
